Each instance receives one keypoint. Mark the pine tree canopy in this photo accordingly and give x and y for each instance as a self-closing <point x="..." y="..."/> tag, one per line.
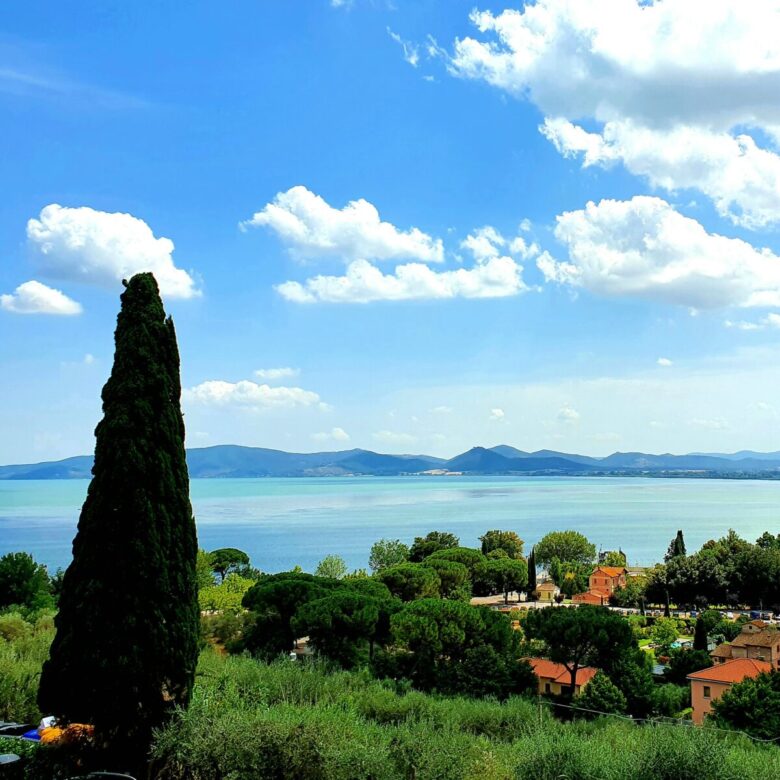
<point x="126" y="643"/>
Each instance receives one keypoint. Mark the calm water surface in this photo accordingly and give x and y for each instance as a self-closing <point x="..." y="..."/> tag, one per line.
<point x="283" y="522"/>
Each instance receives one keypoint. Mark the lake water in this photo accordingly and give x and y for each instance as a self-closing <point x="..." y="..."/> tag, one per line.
<point x="284" y="522"/>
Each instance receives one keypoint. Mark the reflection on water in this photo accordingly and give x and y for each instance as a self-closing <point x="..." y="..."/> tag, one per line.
<point x="283" y="522"/>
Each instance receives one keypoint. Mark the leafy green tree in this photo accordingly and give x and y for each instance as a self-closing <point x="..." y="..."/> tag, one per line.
<point x="227" y="596"/>
<point x="631" y="595"/>
<point x="684" y="662"/>
<point x="752" y="706"/>
<point x="503" y="575"/>
<point x="569" y="546"/>
<point x="204" y="574"/>
<point x="387" y="552"/>
<point x="273" y="602"/>
<point x="768" y="541"/>
<point x="345" y="625"/>
<point x="410" y="581"/>
<point x="676" y="548"/>
<point x="532" y="571"/>
<point x="612" y="558"/>
<point x="127" y="631"/>
<point x="508" y="541"/>
<point x="571" y="577"/>
<point x="601" y="696"/>
<point x="23" y="582"/>
<point x="669" y="700"/>
<point x="431" y="543"/>
<point x="581" y="636"/>
<point x="631" y="673"/>
<point x="332" y="566"/>
<point x="226" y="560"/>
<point x="663" y="633"/>
<point x="453" y="576"/>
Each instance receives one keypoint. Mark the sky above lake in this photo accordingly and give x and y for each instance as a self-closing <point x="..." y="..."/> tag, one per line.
<point x="407" y="226"/>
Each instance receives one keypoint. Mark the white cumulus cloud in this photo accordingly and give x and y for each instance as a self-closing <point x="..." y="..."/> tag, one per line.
<point x="664" y="362"/>
<point x="644" y="248"/>
<point x="364" y="282"/>
<point x="35" y="298"/>
<point x="411" y="50"/>
<point x="102" y="248"/>
<point x="273" y="374"/>
<point x="217" y="392"/>
<point x="334" y="434"/>
<point x="497" y="414"/>
<point x="677" y="88"/>
<point x="568" y="415"/>
<point x="312" y="228"/>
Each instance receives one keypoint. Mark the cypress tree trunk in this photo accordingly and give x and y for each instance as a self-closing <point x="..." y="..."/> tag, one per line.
<point x="126" y="643"/>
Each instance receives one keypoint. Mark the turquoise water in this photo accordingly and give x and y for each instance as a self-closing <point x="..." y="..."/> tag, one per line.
<point x="283" y="522"/>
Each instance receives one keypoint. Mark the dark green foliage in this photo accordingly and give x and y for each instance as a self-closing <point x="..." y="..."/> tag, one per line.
<point x="752" y="706"/>
<point x="274" y="601"/>
<point x="23" y="582"/>
<point x="583" y="636"/>
<point x="126" y="645"/>
<point x="684" y="662"/>
<point x="346" y="625"/>
<point x="453" y="576"/>
<point x="676" y="547"/>
<point x="508" y="541"/>
<point x="612" y="558"/>
<point x="468" y="556"/>
<point x="532" y="571"/>
<point x="502" y="575"/>
<point x="632" y="595"/>
<point x="433" y="542"/>
<point x="409" y="581"/>
<point x="601" y="695"/>
<point x="631" y="674"/>
<point x="453" y="647"/>
<point x="565" y="546"/>
<point x="227" y="560"/>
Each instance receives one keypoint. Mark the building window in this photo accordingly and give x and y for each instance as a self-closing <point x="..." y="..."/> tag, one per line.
<point x="547" y="687"/>
<point x="706" y="691"/>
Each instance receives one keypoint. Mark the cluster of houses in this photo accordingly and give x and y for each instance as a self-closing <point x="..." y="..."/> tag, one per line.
<point x="755" y="650"/>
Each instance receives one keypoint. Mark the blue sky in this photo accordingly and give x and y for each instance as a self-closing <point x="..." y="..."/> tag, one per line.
<point x="390" y="202"/>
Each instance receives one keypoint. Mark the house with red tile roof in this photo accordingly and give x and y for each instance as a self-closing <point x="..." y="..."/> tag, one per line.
<point x="710" y="684"/>
<point x="555" y="679"/>
<point x="602" y="583"/>
<point x="757" y="640"/>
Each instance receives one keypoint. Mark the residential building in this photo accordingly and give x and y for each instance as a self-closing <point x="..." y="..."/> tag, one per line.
<point x="555" y="679"/>
<point x="708" y="685"/>
<point x="602" y="583"/>
<point x="758" y="640"/>
<point x="547" y="591"/>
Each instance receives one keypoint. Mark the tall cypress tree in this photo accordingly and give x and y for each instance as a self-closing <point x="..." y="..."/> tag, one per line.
<point x="126" y="643"/>
<point x="676" y="547"/>
<point x="532" y="570"/>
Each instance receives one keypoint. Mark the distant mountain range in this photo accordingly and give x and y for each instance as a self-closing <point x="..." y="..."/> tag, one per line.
<point x="233" y="461"/>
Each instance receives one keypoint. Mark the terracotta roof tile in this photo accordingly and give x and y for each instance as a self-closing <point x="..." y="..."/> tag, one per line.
<point x="549" y="670"/>
<point x="733" y="671"/>
<point x="611" y="571"/>
<point x="766" y="638"/>
<point x="721" y="651"/>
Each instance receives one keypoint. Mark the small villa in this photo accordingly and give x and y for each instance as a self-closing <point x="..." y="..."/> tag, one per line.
<point x="602" y="583"/>
<point x="547" y="591"/>
<point x="555" y="679"/>
<point x="758" y="641"/>
<point x="710" y="684"/>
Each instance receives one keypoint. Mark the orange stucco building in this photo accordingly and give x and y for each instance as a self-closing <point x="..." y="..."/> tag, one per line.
<point x="555" y="679"/>
<point x="602" y="583"/>
<point x="710" y="684"/>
